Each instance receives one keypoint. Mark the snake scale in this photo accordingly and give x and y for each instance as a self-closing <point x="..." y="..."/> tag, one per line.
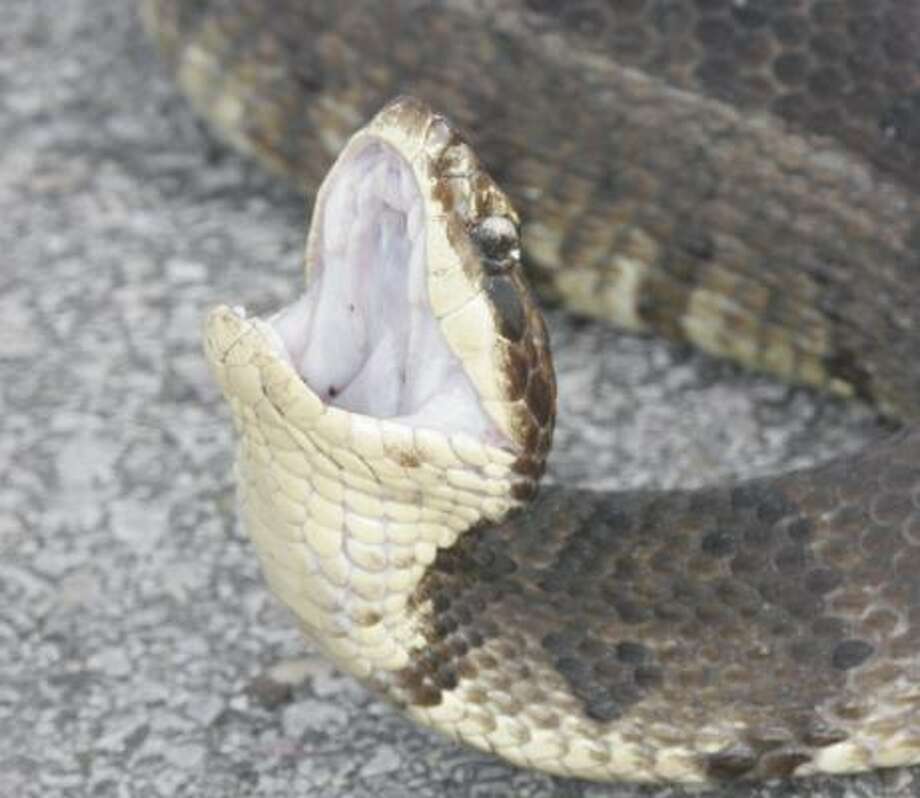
<point x="739" y="174"/>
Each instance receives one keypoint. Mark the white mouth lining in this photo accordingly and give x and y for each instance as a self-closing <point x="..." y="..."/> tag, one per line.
<point x="363" y="336"/>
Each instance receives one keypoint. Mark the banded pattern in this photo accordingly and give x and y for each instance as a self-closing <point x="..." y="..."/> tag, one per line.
<point x="693" y="199"/>
<point x="751" y="631"/>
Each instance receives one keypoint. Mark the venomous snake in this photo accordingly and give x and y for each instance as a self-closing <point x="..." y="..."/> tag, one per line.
<point x="740" y="175"/>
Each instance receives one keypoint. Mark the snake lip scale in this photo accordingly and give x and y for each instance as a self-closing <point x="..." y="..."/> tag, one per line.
<point x="393" y="423"/>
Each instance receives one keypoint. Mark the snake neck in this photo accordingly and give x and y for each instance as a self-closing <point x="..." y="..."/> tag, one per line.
<point x="345" y="510"/>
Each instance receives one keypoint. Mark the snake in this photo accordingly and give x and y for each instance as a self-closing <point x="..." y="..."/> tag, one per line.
<point x="741" y="175"/>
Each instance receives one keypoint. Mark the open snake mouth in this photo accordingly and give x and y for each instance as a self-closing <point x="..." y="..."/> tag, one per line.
<point x="417" y="347"/>
<point x="363" y="337"/>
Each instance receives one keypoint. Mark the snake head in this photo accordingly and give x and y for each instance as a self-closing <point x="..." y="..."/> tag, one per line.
<point x="417" y="344"/>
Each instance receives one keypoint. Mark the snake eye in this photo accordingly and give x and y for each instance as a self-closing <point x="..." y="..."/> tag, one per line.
<point x="497" y="239"/>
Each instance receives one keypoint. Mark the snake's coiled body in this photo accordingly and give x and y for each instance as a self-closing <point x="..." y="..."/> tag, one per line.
<point x="742" y="176"/>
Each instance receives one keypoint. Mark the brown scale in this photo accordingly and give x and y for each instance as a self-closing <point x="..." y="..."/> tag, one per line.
<point x="700" y="601"/>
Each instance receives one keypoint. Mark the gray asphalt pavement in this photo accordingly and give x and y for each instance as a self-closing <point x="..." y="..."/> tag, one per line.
<point x="140" y="652"/>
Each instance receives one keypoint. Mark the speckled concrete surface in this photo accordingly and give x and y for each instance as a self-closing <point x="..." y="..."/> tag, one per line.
<point x="140" y="653"/>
